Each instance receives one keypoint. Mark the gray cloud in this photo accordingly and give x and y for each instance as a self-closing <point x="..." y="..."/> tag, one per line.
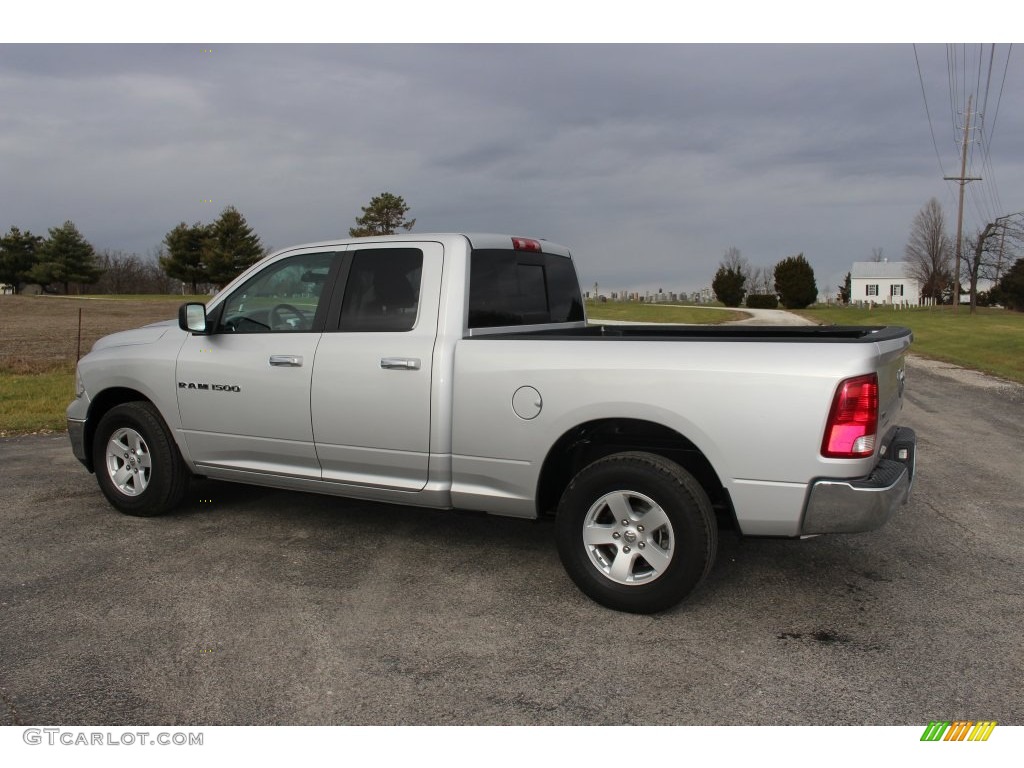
<point x="648" y="160"/>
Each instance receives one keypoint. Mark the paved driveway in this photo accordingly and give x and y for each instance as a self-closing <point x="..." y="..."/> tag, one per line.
<point x="757" y="317"/>
<point x="260" y="607"/>
<point x="771" y="317"/>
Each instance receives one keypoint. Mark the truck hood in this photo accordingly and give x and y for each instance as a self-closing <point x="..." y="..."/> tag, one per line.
<point x="145" y="335"/>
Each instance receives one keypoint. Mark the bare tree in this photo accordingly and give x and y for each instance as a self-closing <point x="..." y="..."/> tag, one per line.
<point x="730" y="281"/>
<point x="762" y="281"/>
<point x="732" y="259"/>
<point x="929" y="252"/>
<point x="129" y="273"/>
<point x="877" y="254"/>
<point x="989" y="249"/>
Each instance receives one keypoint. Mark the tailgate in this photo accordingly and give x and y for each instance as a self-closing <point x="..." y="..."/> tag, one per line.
<point x="892" y="376"/>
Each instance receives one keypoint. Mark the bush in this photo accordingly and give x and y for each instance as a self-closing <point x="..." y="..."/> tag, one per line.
<point x="729" y="286"/>
<point x="794" y="282"/>
<point x="762" y="301"/>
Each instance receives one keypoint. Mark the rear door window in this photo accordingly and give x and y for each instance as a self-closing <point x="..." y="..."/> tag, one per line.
<point x="382" y="292"/>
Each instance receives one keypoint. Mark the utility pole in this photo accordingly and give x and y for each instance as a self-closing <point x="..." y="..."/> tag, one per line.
<point x="963" y="178"/>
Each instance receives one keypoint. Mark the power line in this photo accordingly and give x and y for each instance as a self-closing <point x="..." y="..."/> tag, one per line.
<point x="1002" y="85"/>
<point x="931" y="128"/>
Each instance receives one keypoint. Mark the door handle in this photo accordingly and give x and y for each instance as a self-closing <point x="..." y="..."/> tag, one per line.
<point x="401" y="363"/>
<point x="288" y="361"/>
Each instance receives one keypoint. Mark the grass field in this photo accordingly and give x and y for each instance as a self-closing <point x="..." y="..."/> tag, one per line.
<point x="38" y="343"/>
<point x="659" y="313"/>
<point x="39" y="339"/>
<point x="991" y="340"/>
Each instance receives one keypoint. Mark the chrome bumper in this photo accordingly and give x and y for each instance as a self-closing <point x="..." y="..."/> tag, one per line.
<point x="76" y="433"/>
<point x="864" y="504"/>
<point x="77" y="413"/>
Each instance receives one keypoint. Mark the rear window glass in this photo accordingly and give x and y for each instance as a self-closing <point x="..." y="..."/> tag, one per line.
<point x="517" y="288"/>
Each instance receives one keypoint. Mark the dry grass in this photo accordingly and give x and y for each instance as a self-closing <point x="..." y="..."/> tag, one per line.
<point x="39" y="333"/>
<point x="39" y="340"/>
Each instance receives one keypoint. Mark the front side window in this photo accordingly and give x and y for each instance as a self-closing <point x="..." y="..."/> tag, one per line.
<point x="872" y="290"/>
<point x="897" y="290"/>
<point x="282" y="298"/>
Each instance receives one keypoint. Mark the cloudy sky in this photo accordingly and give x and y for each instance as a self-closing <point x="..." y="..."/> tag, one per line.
<point x="647" y="160"/>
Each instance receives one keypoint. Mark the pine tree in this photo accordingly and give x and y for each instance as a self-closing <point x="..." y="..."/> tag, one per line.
<point x="231" y="248"/>
<point x="385" y="213"/>
<point x="19" y="253"/>
<point x="1010" y="289"/>
<point x="846" y="289"/>
<point x="186" y="250"/>
<point x="65" y="258"/>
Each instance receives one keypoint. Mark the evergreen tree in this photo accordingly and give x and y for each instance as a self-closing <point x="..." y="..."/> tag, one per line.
<point x="65" y="258"/>
<point x="231" y="248"/>
<point x="1010" y="290"/>
<point x="729" y="286"/>
<point x="18" y="255"/>
<point x="846" y="289"/>
<point x="385" y="213"/>
<point x="186" y="250"/>
<point x="794" y="282"/>
<point x="732" y="278"/>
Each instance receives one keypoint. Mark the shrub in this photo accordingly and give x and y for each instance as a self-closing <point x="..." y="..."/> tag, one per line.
<point x="762" y="301"/>
<point x="794" y="282"/>
<point x="729" y="286"/>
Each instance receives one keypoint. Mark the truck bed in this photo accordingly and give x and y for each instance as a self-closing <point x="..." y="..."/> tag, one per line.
<point x="777" y="333"/>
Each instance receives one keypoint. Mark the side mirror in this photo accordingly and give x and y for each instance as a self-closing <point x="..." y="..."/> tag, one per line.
<point x="192" y="317"/>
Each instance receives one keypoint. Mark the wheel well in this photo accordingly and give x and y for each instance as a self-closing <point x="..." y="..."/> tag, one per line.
<point x="594" y="440"/>
<point x="103" y="402"/>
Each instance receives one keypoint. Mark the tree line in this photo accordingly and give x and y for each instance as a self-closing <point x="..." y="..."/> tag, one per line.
<point x="790" y="282"/>
<point x="987" y="256"/>
<point x="201" y="256"/>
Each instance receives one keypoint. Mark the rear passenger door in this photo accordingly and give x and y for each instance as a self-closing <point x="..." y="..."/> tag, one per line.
<point x="370" y="396"/>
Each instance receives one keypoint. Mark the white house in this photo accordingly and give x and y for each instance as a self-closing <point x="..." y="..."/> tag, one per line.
<point x="883" y="282"/>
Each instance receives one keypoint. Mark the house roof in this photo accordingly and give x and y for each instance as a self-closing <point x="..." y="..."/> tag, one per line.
<point x="885" y="270"/>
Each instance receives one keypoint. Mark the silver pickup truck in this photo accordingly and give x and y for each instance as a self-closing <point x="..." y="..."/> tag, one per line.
<point x="459" y="371"/>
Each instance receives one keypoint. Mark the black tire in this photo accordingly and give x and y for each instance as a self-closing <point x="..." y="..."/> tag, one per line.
<point x="636" y="567"/>
<point x="146" y="475"/>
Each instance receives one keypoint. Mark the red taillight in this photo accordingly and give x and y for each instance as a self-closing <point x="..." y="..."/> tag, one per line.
<point x="525" y="244"/>
<point x="853" y="420"/>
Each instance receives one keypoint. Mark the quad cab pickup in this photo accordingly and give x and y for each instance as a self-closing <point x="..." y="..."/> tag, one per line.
<point x="459" y="371"/>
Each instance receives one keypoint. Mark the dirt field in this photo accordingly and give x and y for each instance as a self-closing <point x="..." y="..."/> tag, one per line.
<point x="40" y="333"/>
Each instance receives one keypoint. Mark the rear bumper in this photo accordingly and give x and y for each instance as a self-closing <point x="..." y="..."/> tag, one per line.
<point x="867" y="503"/>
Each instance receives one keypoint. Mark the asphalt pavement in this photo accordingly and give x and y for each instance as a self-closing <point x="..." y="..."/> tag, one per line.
<point x="252" y="606"/>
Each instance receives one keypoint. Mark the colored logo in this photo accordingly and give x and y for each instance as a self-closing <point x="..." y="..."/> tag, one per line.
<point x="958" y="730"/>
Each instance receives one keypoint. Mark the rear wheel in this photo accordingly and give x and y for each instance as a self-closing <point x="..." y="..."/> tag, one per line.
<point x="636" y="532"/>
<point x="137" y="463"/>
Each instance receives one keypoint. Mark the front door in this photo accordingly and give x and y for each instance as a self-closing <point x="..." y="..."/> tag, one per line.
<point x="243" y="391"/>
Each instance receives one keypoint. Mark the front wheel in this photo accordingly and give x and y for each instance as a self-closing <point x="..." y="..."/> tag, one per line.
<point x="137" y="463"/>
<point x="636" y="532"/>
